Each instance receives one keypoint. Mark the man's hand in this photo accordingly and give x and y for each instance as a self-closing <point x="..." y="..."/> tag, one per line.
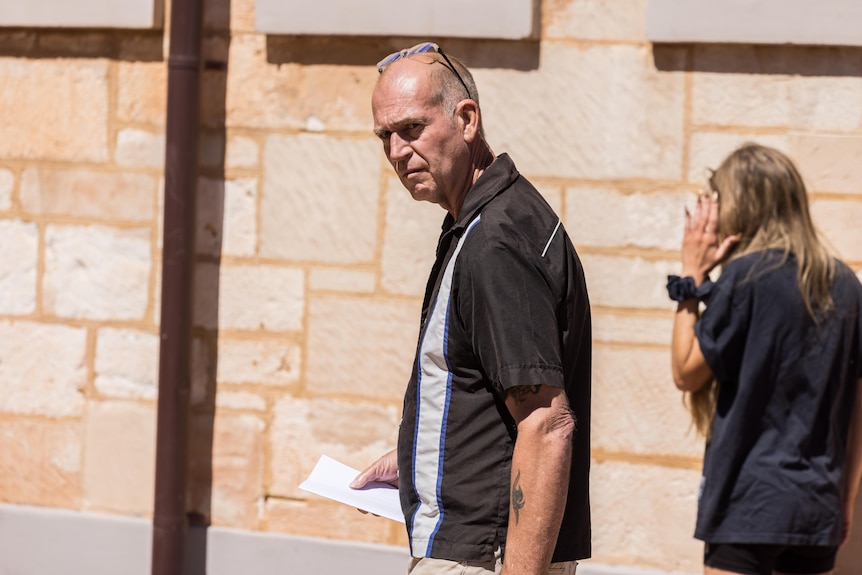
<point x="384" y="469"/>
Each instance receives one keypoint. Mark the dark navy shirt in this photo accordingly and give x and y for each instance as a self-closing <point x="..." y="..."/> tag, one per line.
<point x="773" y="471"/>
<point x="506" y="305"/>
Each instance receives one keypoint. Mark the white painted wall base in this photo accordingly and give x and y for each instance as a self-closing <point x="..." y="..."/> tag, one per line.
<point x="43" y="541"/>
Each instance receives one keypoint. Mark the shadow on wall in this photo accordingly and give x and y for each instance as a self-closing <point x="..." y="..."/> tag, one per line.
<point x="126" y="45"/>
<point x="823" y="61"/>
<point x="522" y="55"/>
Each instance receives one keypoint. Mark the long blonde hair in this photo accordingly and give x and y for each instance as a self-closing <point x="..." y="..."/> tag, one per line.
<point x="763" y="200"/>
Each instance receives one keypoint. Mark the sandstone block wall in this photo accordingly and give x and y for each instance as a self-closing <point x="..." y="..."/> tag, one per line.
<point x="311" y="258"/>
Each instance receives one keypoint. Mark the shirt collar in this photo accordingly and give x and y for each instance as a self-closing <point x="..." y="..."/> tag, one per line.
<point x="496" y="178"/>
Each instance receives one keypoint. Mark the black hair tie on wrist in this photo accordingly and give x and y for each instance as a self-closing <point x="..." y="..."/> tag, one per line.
<point x="681" y="289"/>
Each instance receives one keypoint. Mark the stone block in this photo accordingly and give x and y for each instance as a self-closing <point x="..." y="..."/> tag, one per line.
<point x="410" y="241"/>
<point x="142" y="91"/>
<point x="829" y="163"/>
<point x="626" y="282"/>
<point x="20" y="241"/>
<point x="636" y="407"/>
<point x="341" y="280"/>
<point x="319" y="517"/>
<point x="631" y="328"/>
<point x="607" y="20"/>
<point x="88" y="194"/>
<point x="643" y="516"/>
<point x="239" y="400"/>
<point x="96" y="272"/>
<point x="242" y="152"/>
<point x="250" y="297"/>
<point x="43" y="369"/>
<point x="355" y="433"/>
<point x="7" y="186"/>
<point x="54" y="109"/>
<point x="140" y="148"/>
<point x="572" y="134"/>
<point x="40" y="462"/>
<point x="263" y="95"/>
<point x="242" y="15"/>
<point x="597" y="216"/>
<point x="361" y="347"/>
<point x="273" y="362"/>
<point x="838" y="222"/>
<point x="320" y="198"/>
<point x="120" y="457"/>
<point x="227" y="217"/>
<point x="127" y="363"/>
<point x="707" y="150"/>
<point x="237" y="470"/>
<point x="761" y="86"/>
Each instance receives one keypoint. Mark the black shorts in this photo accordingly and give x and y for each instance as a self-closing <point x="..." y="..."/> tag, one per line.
<point x="756" y="559"/>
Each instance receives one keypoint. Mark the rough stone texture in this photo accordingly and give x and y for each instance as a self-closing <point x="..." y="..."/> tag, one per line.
<point x="263" y="95"/>
<point x="341" y="280"/>
<point x="606" y="217"/>
<point x="127" y="363"/>
<point x="96" y="272"/>
<point x="628" y="281"/>
<point x="630" y="328"/>
<point x="88" y="194"/>
<point x="120" y="457"/>
<point x="265" y="361"/>
<point x="623" y="20"/>
<point x="142" y="89"/>
<point x="571" y="134"/>
<point x="40" y="462"/>
<point x="70" y="126"/>
<point x="708" y="149"/>
<point x="7" y="186"/>
<point x="361" y="347"/>
<point x="227" y="217"/>
<point x="226" y="399"/>
<point x="319" y="517"/>
<point x="355" y="433"/>
<point x="636" y="407"/>
<point x="237" y="469"/>
<point x="838" y="222"/>
<point x="632" y="504"/>
<point x="320" y="198"/>
<point x="42" y="369"/>
<point x="20" y="241"/>
<point x="140" y="148"/>
<point x="249" y="297"/>
<point x="829" y="163"/>
<point x="242" y="152"/>
<point x="768" y="86"/>
<point x="409" y="241"/>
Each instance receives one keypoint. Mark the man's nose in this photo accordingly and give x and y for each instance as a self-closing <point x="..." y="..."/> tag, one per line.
<point x="398" y="147"/>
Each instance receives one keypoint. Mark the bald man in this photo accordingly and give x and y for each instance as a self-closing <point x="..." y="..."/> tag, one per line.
<point x="492" y="461"/>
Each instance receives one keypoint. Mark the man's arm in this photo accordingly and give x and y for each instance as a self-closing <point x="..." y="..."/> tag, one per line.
<point x="540" y="476"/>
<point x="854" y="463"/>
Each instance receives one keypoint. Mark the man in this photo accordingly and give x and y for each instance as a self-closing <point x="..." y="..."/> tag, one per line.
<point x="493" y="452"/>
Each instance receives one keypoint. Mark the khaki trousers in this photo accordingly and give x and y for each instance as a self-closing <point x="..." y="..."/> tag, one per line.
<point x="430" y="566"/>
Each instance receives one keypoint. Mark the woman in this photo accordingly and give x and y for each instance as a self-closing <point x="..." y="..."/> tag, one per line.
<point x="771" y="371"/>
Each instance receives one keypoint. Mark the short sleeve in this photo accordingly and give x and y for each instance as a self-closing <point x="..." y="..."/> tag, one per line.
<point x="723" y="328"/>
<point x="509" y="310"/>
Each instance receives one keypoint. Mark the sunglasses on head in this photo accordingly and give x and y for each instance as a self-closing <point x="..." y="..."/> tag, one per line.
<point x="422" y="48"/>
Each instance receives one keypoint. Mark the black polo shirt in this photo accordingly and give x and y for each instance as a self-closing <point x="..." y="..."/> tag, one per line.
<point x="506" y="305"/>
<point x="774" y="470"/>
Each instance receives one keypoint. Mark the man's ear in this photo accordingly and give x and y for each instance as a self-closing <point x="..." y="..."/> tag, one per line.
<point x="467" y="112"/>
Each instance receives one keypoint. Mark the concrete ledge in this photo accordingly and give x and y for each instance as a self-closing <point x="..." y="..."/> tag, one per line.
<point x="37" y="541"/>
<point x="513" y="19"/>
<point x="808" y="22"/>
<point x="143" y="14"/>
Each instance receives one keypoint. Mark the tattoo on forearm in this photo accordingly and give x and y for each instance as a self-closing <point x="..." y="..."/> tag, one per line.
<point x="519" y="393"/>
<point x="517" y="496"/>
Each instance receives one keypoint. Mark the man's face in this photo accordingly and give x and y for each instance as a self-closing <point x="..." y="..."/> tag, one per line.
<point x="421" y="140"/>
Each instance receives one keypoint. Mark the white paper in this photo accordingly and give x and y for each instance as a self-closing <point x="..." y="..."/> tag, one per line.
<point x="331" y="479"/>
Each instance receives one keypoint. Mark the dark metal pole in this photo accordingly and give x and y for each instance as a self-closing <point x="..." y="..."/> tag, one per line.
<point x="170" y="522"/>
